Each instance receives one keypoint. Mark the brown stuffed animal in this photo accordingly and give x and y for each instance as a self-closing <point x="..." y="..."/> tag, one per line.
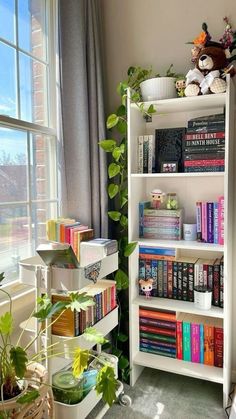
<point x="211" y="63"/>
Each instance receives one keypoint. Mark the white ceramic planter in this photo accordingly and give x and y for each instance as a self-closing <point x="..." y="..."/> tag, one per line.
<point x="158" y="88"/>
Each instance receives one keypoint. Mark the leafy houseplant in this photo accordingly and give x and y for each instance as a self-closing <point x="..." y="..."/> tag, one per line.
<point x="116" y="147"/>
<point x="16" y="361"/>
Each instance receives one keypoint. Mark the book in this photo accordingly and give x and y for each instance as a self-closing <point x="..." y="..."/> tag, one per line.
<point x="168" y="146"/>
<point x="208" y="342"/>
<point x="158" y="348"/>
<point x="145" y="153"/>
<point x="57" y="254"/>
<point x="204" y="162"/>
<point x="203" y="149"/>
<point x="158" y="330"/>
<point x="205" y="136"/>
<point x="222" y="282"/>
<point x="195" y="342"/>
<point x="179" y="336"/>
<point x="195" y="169"/>
<point x="156" y="352"/>
<point x="157" y="323"/>
<point x="160" y="338"/>
<point x="96" y="249"/>
<point x="201" y="144"/>
<point x="201" y="326"/>
<point x="157" y="314"/>
<point x="81" y="236"/>
<point x="157" y="343"/>
<point x="210" y="221"/>
<point x="152" y="250"/>
<point x="186" y="339"/>
<point x="219" y="343"/>
<point x="199" y="220"/>
<point x="221" y="219"/>
<point x="169" y="279"/>
<point x="140" y="154"/>
<point x="154" y="276"/>
<point x="68" y="323"/>
<point x="216" y="155"/>
<point x="216" y="283"/>
<point x="207" y="123"/>
<point x="142" y="206"/>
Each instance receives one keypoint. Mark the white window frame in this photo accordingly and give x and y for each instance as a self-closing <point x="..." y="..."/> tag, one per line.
<point x="29" y="127"/>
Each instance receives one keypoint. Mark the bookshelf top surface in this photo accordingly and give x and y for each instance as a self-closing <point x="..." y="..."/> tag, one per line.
<point x="178" y="306"/>
<point x="186" y="103"/>
<point x="177" y="175"/>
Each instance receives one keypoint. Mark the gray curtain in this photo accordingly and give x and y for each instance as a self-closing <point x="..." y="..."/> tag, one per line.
<point x="83" y="122"/>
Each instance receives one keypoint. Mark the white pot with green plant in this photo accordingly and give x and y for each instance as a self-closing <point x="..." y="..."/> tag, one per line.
<point x="24" y="383"/>
<point x="159" y="87"/>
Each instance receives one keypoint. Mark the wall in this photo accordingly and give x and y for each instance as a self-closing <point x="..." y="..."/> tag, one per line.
<point x="155" y="32"/>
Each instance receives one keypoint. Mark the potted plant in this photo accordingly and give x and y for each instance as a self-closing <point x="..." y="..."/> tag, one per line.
<point x="159" y="87"/>
<point x="24" y="381"/>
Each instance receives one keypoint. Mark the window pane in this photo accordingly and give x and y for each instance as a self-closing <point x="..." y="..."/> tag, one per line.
<point x="14" y="239"/>
<point x="13" y="165"/>
<point x="41" y="212"/>
<point x="33" y="88"/>
<point x="7" y="20"/>
<point x="43" y="163"/>
<point x="31" y="26"/>
<point x="8" y="95"/>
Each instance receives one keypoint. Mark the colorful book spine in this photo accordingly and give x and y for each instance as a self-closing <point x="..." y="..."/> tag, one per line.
<point x="204" y="162"/>
<point x="169" y="279"/>
<point x="159" y="315"/>
<point x="156" y="251"/>
<point x="215" y="223"/>
<point x="201" y="327"/>
<point x="190" y="281"/>
<point x="140" y="154"/>
<point x="180" y="281"/>
<point x="186" y="341"/>
<point x="158" y="330"/>
<point x="185" y="281"/>
<point x="175" y="280"/>
<point x="158" y="348"/>
<point x="195" y="342"/>
<point x="222" y="282"/>
<point x="204" y="221"/>
<point x="208" y="344"/>
<point x="157" y="343"/>
<point x="199" y="220"/>
<point x="196" y="169"/>
<point x="154" y="276"/>
<point x="160" y="288"/>
<point x="219" y="347"/>
<point x="205" y="136"/>
<point x="142" y="206"/>
<point x="165" y="279"/>
<point x="216" y="283"/>
<point x="156" y="352"/>
<point x="179" y="340"/>
<point x="150" y="152"/>
<point x="221" y="220"/>
<point x="160" y="338"/>
<point x="145" y="154"/>
<point x="210" y="227"/>
<point x="155" y="257"/>
<point x="157" y="323"/>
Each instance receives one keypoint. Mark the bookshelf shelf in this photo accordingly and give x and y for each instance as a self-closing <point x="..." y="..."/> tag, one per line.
<point x="178" y="306"/>
<point x="201" y="371"/>
<point x="190" y="188"/>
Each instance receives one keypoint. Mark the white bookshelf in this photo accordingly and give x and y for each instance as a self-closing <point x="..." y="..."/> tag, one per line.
<point x="190" y="188"/>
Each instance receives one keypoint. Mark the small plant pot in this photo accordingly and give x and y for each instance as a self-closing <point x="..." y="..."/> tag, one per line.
<point x="158" y="88"/>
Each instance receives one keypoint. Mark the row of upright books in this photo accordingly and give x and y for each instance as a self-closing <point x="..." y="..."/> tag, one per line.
<point x="160" y="223"/>
<point x="204" y="144"/>
<point x="198" y="148"/>
<point x="177" y="277"/>
<point x="210" y="221"/>
<point x="73" y="323"/>
<point x="186" y="337"/>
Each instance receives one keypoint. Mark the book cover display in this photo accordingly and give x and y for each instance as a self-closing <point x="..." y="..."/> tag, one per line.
<point x="168" y="147"/>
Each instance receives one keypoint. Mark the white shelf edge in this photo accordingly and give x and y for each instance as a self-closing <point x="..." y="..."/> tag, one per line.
<point x="177" y="366"/>
<point x="186" y="103"/>
<point x="178" y="305"/>
<point x="180" y="244"/>
<point x="176" y="175"/>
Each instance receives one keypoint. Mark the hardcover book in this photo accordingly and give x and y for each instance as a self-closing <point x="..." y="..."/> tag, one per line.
<point x="207" y="123"/>
<point x="168" y="148"/>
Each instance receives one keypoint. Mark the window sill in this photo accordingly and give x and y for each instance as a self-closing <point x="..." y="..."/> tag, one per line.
<point x="17" y="290"/>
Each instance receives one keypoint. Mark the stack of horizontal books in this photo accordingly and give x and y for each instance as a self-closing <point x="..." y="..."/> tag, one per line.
<point x="162" y="224"/>
<point x="157" y="331"/>
<point x="204" y="144"/>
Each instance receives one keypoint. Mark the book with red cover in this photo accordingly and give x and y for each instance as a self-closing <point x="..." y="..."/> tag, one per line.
<point x="179" y="339"/>
<point x="157" y="314"/>
<point x="158" y="330"/>
<point x="157" y="323"/>
<point x="204" y="135"/>
<point x="219" y="343"/>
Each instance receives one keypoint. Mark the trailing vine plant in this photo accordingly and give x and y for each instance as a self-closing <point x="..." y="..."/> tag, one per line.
<point x="116" y="147"/>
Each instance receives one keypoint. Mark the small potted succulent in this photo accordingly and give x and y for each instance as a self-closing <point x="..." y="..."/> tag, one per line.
<point x="24" y="383"/>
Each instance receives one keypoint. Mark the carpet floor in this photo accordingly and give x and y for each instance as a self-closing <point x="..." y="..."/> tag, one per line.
<point x="162" y="395"/>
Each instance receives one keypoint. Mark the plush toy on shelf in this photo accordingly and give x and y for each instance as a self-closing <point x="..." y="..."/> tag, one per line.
<point x="212" y="63"/>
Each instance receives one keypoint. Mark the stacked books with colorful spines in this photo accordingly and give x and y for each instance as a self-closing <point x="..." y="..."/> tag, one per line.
<point x="210" y="221"/>
<point x="176" y="277"/>
<point x="73" y="323"/>
<point x="66" y="230"/>
<point x="199" y="339"/>
<point x="157" y="331"/>
<point x="146" y="154"/>
<point x="204" y="144"/>
<point x="160" y="223"/>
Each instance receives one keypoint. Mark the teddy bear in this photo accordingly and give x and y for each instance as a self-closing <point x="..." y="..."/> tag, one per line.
<point x="212" y="61"/>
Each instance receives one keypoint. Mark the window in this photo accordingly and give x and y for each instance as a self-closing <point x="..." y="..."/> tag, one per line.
<point x="28" y="143"/>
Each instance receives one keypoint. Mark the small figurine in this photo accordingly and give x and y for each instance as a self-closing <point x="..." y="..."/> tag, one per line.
<point x="180" y="87"/>
<point x="146" y="286"/>
<point x="157" y="198"/>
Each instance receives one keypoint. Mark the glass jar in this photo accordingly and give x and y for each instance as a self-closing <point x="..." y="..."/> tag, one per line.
<point x="172" y="201"/>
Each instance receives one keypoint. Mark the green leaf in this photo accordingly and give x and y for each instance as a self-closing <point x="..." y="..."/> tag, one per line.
<point x="135" y="97"/>
<point x="122" y="280"/>
<point x="2" y="276"/>
<point x="80" y="301"/>
<point x="92" y="335"/>
<point x="19" y="360"/>
<point x="114" y="215"/>
<point x="29" y="397"/>
<point x="112" y="121"/>
<point x="121" y="88"/>
<point x="123" y="362"/>
<point x="116" y="153"/>
<point x="123" y="220"/>
<point x="107" y="384"/>
<point x="130" y="248"/>
<point x="49" y="310"/>
<point x="122" y="126"/>
<point x="151" y="109"/>
<point x="117" y="352"/>
<point x="121" y="337"/>
<point x="113" y="170"/>
<point x="122" y="148"/>
<point x="6" y="323"/>
<point x="113" y="190"/>
<point x="124" y="99"/>
<point x="107" y="145"/>
<point x="124" y="201"/>
<point x="121" y="111"/>
<point x="80" y="361"/>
